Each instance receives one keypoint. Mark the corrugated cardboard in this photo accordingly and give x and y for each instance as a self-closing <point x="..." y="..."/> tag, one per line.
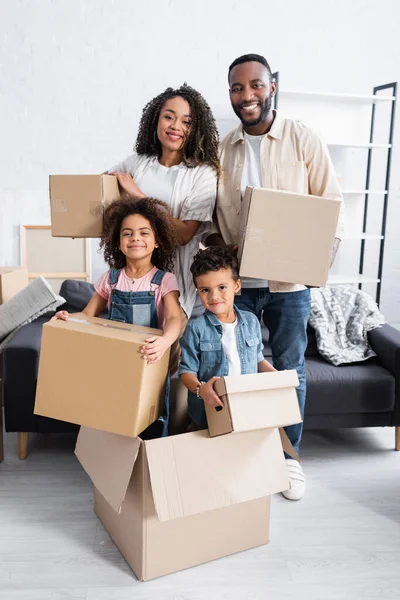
<point x="172" y="503"/>
<point x="91" y="373"/>
<point x="77" y="204"/>
<point x="287" y="237"/>
<point x="12" y="281"/>
<point x="256" y="401"/>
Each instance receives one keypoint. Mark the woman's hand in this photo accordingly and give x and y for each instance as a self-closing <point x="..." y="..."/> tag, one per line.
<point x="61" y="315"/>
<point x="209" y="395"/>
<point x="154" y="348"/>
<point x="127" y="183"/>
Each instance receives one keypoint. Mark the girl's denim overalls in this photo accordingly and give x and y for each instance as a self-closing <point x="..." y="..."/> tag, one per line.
<point x="139" y="308"/>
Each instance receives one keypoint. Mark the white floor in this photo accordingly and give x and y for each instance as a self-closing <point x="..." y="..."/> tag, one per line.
<point x="341" y="542"/>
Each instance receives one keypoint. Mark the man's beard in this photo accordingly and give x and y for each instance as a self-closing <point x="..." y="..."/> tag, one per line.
<point x="265" y="109"/>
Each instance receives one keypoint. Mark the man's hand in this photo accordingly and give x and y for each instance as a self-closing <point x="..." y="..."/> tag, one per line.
<point x="127" y="183"/>
<point x="208" y="393"/>
<point x="154" y="348"/>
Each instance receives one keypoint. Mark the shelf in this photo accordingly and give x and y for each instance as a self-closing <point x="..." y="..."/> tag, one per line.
<point x="359" y="145"/>
<point x="363" y="236"/>
<point x="369" y="99"/>
<point x="336" y="279"/>
<point x="363" y="192"/>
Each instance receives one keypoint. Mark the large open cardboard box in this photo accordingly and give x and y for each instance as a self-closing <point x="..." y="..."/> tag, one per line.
<point x="91" y="373"/>
<point x="254" y="402"/>
<point x="77" y="204"/>
<point x="175" y="502"/>
<point x="287" y="237"/>
<point x="12" y="281"/>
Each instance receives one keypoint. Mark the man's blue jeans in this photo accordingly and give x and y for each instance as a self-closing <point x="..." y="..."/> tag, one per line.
<point x="285" y="314"/>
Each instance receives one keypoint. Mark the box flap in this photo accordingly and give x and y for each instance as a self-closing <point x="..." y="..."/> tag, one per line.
<point x="108" y="459"/>
<point x="193" y="473"/>
<point x="258" y="381"/>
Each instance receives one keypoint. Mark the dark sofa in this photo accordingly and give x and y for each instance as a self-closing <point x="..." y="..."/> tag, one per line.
<point x="358" y="395"/>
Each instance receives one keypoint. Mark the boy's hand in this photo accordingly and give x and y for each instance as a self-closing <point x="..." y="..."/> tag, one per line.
<point x="208" y="393"/>
<point x="154" y="349"/>
<point x="61" y="315"/>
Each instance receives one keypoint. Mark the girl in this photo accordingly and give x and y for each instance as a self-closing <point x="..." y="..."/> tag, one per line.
<point x="139" y="243"/>
<point x="176" y="160"/>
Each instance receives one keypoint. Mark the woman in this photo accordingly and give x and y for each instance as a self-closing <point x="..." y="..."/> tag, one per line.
<point x="176" y="160"/>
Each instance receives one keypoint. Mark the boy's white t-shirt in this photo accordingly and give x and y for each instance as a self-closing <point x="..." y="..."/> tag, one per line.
<point x="230" y="346"/>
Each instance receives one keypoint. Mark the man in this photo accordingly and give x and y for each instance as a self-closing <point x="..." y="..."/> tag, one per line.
<point x="270" y="151"/>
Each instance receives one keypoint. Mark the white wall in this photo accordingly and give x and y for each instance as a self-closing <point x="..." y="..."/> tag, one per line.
<point x="75" y="75"/>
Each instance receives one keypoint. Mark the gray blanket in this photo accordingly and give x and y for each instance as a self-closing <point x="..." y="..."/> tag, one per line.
<point x="30" y="303"/>
<point x="342" y="316"/>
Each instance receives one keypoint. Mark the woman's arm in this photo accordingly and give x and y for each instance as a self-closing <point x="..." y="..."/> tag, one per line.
<point x="156" y="346"/>
<point x="185" y="230"/>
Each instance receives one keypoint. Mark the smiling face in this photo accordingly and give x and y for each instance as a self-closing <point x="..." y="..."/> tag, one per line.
<point x="251" y="92"/>
<point x="173" y="125"/>
<point x="217" y="290"/>
<point x="137" y="240"/>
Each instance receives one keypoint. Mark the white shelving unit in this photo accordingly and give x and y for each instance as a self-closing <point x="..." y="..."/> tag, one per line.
<point x="337" y="279"/>
<point x="383" y="96"/>
<point x="371" y="99"/>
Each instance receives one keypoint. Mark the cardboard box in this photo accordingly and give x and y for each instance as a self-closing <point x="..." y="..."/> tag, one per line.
<point x="254" y="402"/>
<point x="12" y="281"/>
<point x="176" y="502"/>
<point x="77" y="204"/>
<point x="91" y="373"/>
<point x="287" y="237"/>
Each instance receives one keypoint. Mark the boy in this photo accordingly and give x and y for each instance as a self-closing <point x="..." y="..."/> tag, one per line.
<point x="224" y="340"/>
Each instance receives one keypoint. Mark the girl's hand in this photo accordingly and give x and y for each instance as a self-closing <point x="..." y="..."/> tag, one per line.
<point x="208" y="393"/>
<point x="61" y="315"/>
<point x="127" y="183"/>
<point x="154" y="349"/>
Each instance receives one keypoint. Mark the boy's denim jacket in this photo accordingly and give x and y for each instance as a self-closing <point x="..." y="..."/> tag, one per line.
<point x="203" y="354"/>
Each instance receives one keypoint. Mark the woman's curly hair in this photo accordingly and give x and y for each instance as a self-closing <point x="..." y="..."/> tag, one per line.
<point x="201" y="144"/>
<point x="156" y="212"/>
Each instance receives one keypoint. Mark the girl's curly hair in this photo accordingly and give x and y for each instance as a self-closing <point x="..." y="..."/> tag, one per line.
<point x="156" y="212"/>
<point x="201" y="144"/>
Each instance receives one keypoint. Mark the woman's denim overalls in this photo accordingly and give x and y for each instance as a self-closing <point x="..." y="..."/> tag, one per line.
<point x="139" y="308"/>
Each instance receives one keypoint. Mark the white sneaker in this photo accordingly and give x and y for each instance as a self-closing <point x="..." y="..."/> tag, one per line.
<point x="297" y="480"/>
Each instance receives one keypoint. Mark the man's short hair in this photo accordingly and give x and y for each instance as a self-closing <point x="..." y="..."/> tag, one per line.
<point x="215" y="258"/>
<point x="251" y="58"/>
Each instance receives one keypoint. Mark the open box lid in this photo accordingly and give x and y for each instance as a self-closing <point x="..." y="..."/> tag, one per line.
<point x="189" y="473"/>
<point x="108" y="459"/>
<point x="193" y="473"/>
<point x="233" y="384"/>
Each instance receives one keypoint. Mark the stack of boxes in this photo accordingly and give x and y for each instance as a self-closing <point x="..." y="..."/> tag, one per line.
<point x="175" y="502"/>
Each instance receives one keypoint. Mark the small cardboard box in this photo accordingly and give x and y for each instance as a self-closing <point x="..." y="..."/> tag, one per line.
<point x="254" y="402"/>
<point x="77" y="204"/>
<point x="172" y="503"/>
<point x="91" y="373"/>
<point x="287" y="237"/>
<point x="12" y="281"/>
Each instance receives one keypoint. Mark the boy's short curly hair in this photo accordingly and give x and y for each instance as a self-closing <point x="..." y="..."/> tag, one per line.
<point x="156" y="212"/>
<point x="215" y="258"/>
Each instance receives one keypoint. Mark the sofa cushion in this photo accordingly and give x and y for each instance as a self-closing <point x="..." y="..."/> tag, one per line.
<point x="357" y="388"/>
